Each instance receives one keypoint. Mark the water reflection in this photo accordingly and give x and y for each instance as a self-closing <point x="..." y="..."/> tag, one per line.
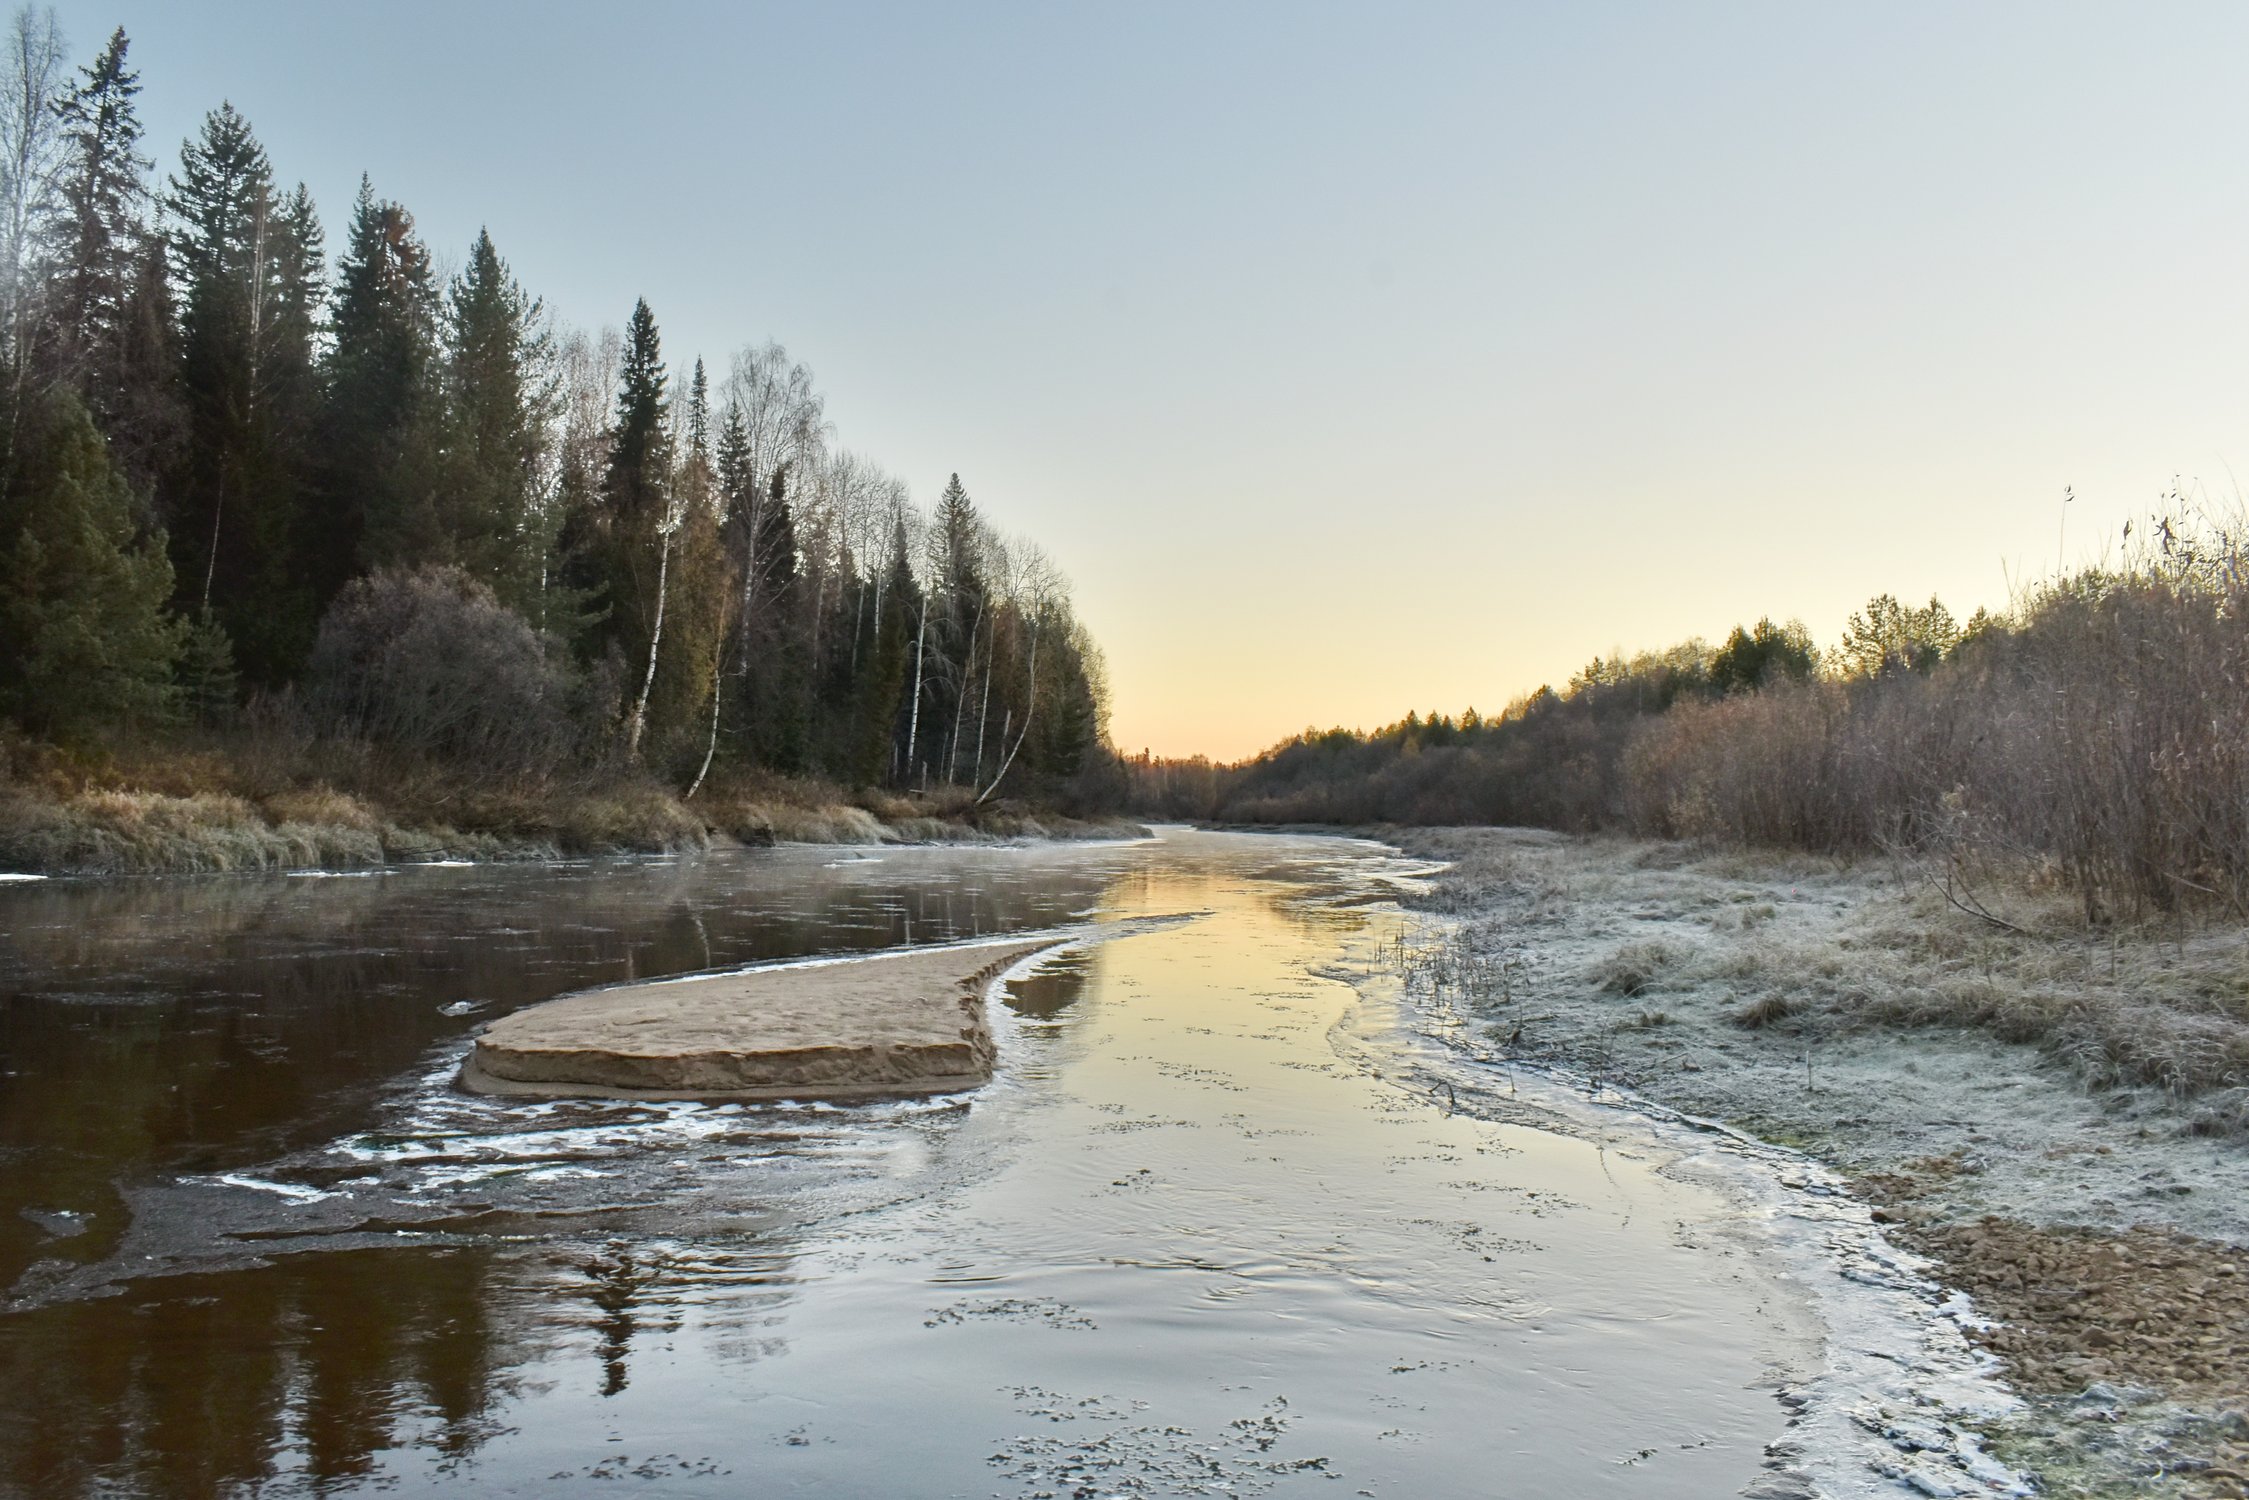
<point x="1179" y="1243"/>
<point x="1053" y="989"/>
<point x="204" y="1025"/>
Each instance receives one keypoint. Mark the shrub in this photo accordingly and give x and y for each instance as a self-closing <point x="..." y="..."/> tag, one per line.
<point x="429" y="662"/>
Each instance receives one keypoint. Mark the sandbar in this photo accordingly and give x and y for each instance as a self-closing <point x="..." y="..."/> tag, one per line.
<point x="890" y="1025"/>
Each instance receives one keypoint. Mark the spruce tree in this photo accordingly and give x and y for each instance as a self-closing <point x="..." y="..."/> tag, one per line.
<point x="95" y="241"/>
<point x="881" y="708"/>
<point x="233" y="530"/>
<point x="640" y="442"/>
<point x="642" y="524"/>
<point x="380" y="492"/>
<point x="148" y="422"/>
<point x="500" y="399"/>
<point x="82" y="592"/>
<point x="735" y="461"/>
<point x="699" y="416"/>
<point x="956" y="543"/>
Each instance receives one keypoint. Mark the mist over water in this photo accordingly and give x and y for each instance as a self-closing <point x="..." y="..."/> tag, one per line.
<point x="1183" y="1245"/>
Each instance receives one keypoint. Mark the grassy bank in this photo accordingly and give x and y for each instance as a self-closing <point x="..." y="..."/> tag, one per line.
<point x="2057" y="1115"/>
<point x="221" y="808"/>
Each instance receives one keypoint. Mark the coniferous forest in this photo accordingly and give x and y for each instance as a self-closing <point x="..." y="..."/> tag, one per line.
<point x="285" y="514"/>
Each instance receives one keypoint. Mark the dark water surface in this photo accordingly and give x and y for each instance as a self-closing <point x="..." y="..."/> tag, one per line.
<point x="257" y="1245"/>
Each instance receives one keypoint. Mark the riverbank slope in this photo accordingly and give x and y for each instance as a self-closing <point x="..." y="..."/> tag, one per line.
<point x="192" y="814"/>
<point x="2054" y="1115"/>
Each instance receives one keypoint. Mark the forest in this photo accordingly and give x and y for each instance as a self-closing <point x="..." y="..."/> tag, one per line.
<point x="2094" y="735"/>
<point x="280" y="517"/>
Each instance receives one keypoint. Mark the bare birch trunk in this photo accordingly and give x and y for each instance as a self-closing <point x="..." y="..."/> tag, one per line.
<point x="913" y="720"/>
<point x="1030" y="708"/>
<point x="655" y="641"/>
<point x="984" y="711"/>
<point x="710" y="750"/>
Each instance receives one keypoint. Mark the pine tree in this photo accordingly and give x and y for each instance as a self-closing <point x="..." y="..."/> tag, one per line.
<point x="380" y="482"/>
<point x="95" y="241"/>
<point x="82" y="594"/>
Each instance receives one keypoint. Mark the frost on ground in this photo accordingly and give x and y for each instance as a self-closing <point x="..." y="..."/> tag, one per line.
<point x="2057" y="1116"/>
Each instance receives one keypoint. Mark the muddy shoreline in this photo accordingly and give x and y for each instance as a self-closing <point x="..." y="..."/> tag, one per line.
<point x="2098" y="1224"/>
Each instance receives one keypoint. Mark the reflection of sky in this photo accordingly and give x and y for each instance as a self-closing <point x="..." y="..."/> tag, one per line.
<point x="1570" y="326"/>
<point x="1178" y="1233"/>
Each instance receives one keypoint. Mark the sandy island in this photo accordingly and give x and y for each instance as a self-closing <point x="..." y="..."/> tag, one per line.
<point x="884" y="1026"/>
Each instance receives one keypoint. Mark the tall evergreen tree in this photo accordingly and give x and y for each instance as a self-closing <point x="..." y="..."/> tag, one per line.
<point x="881" y="710"/>
<point x="234" y="499"/>
<point x="82" y="590"/>
<point x="500" y="402"/>
<point x="642" y="522"/>
<point x="95" y="240"/>
<point x="699" y="416"/>
<point x="147" y="424"/>
<point x="381" y="493"/>
<point x="640" y="441"/>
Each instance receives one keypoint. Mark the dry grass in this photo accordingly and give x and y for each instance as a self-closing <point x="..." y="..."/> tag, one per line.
<point x="270" y="803"/>
<point x="2158" y="1007"/>
<point x="1769" y="1011"/>
<point x="114" y="832"/>
<point x="1635" y="968"/>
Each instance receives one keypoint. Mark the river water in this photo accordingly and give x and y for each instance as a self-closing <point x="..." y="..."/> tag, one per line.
<point x="1199" y="1238"/>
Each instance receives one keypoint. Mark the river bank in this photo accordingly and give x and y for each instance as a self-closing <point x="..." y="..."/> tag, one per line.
<point x="204" y="816"/>
<point x="2053" y="1117"/>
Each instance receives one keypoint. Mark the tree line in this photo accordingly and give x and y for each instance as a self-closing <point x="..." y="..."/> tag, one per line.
<point x="2095" y="735"/>
<point x="237" y="466"/>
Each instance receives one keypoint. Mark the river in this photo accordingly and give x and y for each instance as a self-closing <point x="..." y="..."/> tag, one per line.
<point x="1199" y="1238"/>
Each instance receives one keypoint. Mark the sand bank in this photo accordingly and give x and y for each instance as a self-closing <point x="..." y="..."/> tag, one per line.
<point x="887" y="1025"/>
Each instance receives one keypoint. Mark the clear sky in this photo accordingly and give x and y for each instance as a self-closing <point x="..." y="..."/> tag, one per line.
<point x="1358" y="359"/>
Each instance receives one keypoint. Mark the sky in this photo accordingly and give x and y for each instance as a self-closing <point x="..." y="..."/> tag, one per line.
<point x="1359" y="359"/>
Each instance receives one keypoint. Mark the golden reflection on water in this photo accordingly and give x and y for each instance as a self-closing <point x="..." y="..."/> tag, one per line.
<point x="1182" y="1241"/>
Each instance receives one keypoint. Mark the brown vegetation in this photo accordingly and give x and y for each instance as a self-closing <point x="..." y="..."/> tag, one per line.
<point x="279" y="801"/>
<point x="2095" y="739"/>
